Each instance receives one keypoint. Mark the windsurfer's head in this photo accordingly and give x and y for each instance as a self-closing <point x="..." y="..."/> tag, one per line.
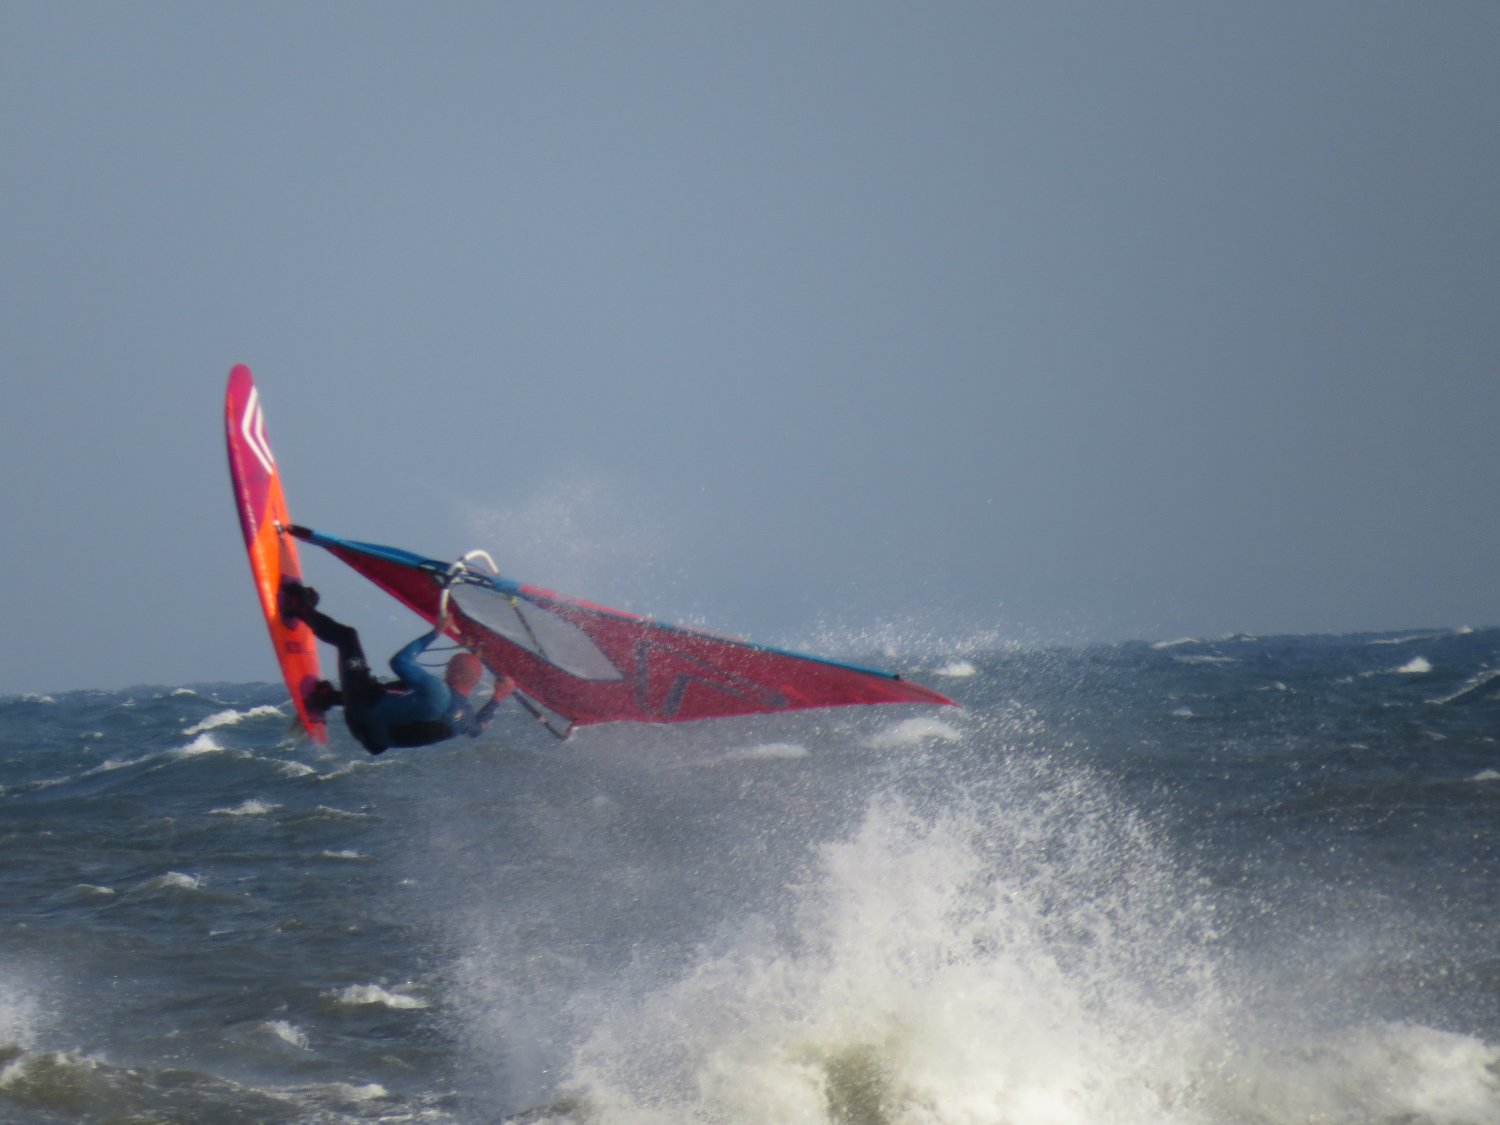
<point x="463" y="672"/>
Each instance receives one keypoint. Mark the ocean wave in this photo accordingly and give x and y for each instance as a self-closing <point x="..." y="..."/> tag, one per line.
<point x="351" y="1094"/>
<point x="203" y="744"/>
<point x="232" y="717"/>
<point x="1416" y="666"/>
<point x="345" y="770"/>
<point x="250" y="807"/>
<point x="362" y="995"/>
<point x="343" y="854"/>
<point x="1478" y="687"/>
<point x="998" y="964"/>
<point x="982" y="965"/>
<point x="71" y="1085"/>
<point x="287" y="1032"/>
<point x="45" y="1078"/>
<point x="328" y="812"/>
<point x="1412" y="638"/>
<point x="109" y="765"/>
<point x="173" y="881"/>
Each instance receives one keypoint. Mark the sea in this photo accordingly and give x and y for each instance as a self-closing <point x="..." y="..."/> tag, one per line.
<point x="1248" y="880"/>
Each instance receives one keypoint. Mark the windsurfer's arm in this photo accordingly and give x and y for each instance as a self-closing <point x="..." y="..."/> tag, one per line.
<point x="418" y="678"/>
<point x="504" y="685"/>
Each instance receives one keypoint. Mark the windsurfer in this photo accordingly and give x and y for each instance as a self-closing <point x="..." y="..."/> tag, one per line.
<point x="418" y="709"/>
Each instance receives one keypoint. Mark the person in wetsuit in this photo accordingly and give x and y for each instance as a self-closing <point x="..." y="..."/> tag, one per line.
<point x="416" y="710"/>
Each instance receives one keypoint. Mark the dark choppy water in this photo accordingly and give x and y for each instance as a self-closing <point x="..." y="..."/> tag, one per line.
<point x="1252" y="880"/>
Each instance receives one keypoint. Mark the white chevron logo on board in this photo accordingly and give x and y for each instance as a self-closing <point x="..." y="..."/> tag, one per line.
<point x="253" y="429"/>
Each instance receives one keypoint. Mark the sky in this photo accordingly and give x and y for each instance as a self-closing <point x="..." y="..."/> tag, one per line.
<point x="813" y="322"/>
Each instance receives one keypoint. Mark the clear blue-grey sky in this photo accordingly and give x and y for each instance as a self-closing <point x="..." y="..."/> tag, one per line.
<point x="954" y="320"/>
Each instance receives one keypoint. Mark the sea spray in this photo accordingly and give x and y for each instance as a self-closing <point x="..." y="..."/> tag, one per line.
<point x="986" y="961"/>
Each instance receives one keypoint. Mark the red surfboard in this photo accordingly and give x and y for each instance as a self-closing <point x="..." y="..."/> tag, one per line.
<point x="273" y="553"/>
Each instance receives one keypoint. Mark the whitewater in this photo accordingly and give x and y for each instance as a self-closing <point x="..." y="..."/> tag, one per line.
<point x="1196" y="882"/>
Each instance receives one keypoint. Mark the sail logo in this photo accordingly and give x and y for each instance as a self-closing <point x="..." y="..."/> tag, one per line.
<point x="664" y="675"/>
<point x="253" y="429"/>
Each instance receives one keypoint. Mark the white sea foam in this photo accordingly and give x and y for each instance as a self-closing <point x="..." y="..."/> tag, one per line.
<point x="1478" y="686"/>
<point x="1486" y="775"/>
<point x="230" y="718"/>
<point x="109" y="765"/>
<point x="49" y="783"/>
<point x="251" y="807"/>
<point x="962" y="968"/>
<point x="357" y="995"/>
<point x="347" y="1092"/>
<point x="343" y="853"/>
<point x="203" y="744"/>
<point x="957" y="669"/>
<point x="1380" y="1072"/>
<point x="914" y="732"/>
<point x="1177" y="643"/>
<point x="325" y="812"/>
<point x="1416" y="666"/>
<point x="33" y="697"/>
<point x="33" y="1076"/>
<point x="287" y="1032"/>
<point x="296" y="769"/>
<point x="1205" y="658"/>
<point x="1410" y="638"/>
<point x="1036" y="961"/>
<point x="174" y="880"/>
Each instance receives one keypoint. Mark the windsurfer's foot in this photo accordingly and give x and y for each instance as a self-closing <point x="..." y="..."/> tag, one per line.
<point x="324" y="695"/>
<point x="295" y="599"/>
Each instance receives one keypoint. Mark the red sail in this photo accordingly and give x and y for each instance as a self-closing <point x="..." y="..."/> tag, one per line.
<point x="591" y="664"/>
